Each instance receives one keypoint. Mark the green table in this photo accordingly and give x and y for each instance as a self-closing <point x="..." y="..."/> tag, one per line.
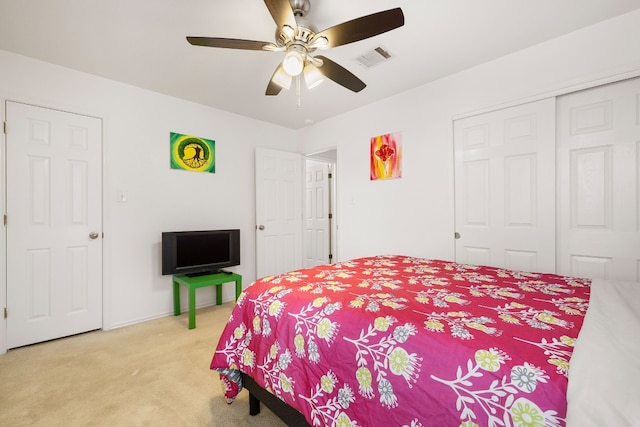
<point x="194" y="282"/>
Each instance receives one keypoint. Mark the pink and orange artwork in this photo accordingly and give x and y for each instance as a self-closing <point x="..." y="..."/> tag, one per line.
<point x="386" y="156"/>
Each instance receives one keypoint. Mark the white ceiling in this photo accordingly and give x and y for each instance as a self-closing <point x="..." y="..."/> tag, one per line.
<point x="142" y="43"/>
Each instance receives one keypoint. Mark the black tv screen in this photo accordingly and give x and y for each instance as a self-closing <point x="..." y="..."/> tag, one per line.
<point x="199" y="252"/>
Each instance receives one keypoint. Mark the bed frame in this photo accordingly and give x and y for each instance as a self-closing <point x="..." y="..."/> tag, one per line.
<point x="257" y="394"/>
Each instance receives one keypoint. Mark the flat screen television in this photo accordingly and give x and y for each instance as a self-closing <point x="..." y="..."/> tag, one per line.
<point x="199" y="252"/>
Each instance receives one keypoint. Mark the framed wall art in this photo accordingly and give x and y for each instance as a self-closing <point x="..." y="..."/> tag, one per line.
<point x="386" y="156"/>
<point x="192" y="153"/>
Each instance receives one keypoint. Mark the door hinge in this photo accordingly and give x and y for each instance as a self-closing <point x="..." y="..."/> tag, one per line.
<point x="5" y="312"/>
<point x="330" y="257"/>
<point x="4" y="127"/>
<point x="5" y="219"/>
<point x="456" y="235"/>
<point x="330" y="216"/>
<point x="330" y="174"/>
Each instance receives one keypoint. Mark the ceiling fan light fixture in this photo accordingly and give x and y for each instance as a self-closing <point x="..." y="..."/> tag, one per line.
<point x="312" y="76"/>
<point x="282" y="79"/>
<point x="293" y="63"/>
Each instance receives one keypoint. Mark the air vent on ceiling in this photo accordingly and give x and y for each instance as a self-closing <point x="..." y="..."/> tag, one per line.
<point x="374" y="57"/>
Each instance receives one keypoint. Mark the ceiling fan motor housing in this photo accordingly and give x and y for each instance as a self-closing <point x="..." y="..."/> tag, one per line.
<point x="303" y="34"/>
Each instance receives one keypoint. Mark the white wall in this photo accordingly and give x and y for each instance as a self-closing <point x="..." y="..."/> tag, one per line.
<point x="136" y="127"/>
<point x="414" y="215"/>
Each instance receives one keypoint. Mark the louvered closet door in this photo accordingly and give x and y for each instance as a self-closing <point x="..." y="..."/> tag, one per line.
<point x="599" y="182"/>
<point x="505" y="187"/>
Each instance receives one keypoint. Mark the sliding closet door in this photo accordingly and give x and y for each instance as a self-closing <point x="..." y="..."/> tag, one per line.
<point x="599" y="183"/>
<point x="505" y="187"/>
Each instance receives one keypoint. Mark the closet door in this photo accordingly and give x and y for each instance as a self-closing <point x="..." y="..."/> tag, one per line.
<point x="505" y="187"/>
<point x="598" y="182"/>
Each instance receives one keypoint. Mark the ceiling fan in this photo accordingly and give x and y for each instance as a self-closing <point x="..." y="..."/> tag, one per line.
<point x="299" y="39"/>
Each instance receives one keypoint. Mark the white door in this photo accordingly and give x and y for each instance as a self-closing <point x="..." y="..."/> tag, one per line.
<point x="54" y="203"/>
<point x="505" y="187"/>
<point x="599" y="182"/>
<point x="278" y="212"/>
<point x="317" y="231"/>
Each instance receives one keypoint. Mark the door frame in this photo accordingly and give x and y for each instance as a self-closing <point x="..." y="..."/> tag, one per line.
<point x="332" y="159"/>
<point x="3" y="234"/>
<point x="106" y="301"/>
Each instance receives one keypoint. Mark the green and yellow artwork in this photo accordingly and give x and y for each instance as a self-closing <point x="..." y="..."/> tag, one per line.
<point x="192" y="153"/>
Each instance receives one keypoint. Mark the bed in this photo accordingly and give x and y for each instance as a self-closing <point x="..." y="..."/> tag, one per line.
<point x="403" y="341"/>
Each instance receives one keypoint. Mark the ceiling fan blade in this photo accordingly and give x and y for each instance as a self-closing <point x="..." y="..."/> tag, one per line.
<point x="363" y="27"/>
<point x="340" y="75"/>
<point x="282" y="13"/>
<point x="274" y="88"/>
<point x="228" y="43"/>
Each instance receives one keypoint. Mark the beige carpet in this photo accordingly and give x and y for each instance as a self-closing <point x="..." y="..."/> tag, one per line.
<point x="154" y="373"/>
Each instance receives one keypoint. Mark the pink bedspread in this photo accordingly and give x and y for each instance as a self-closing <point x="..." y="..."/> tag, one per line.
<point x="401" y="341"/>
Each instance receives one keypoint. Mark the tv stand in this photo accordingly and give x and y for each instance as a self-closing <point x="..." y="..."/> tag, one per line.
<point x="199" y="280"/>
<point x="208" y="273"/>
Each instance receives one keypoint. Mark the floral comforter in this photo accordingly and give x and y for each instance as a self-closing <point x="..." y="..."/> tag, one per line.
<point x="402" y="341"/>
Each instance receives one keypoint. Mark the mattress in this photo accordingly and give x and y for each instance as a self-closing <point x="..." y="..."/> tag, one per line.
<point x="604" y="375"/>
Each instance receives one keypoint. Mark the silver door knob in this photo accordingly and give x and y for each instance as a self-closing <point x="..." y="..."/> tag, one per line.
<point x="93" y="235"/>
<point x="261" y="227"/>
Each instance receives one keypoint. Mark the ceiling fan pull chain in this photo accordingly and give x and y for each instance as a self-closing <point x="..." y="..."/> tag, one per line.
<point x="298" y="92"/>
